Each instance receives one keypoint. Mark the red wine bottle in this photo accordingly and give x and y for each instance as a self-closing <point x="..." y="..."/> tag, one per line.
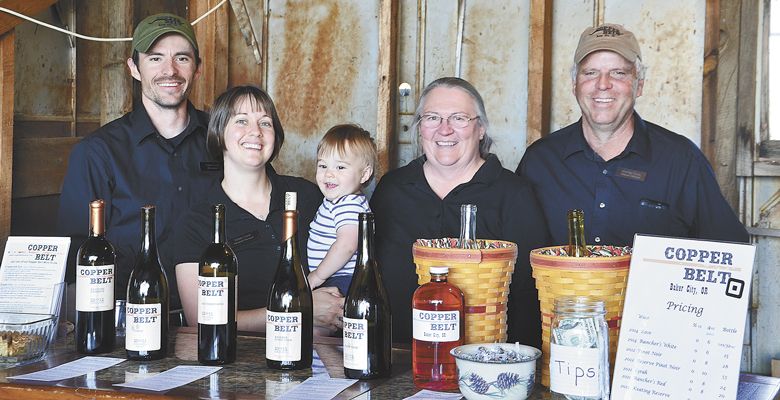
<point x="95" y="332"/>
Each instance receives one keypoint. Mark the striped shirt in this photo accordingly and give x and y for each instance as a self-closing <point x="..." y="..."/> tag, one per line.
<point x="322" y="231"/>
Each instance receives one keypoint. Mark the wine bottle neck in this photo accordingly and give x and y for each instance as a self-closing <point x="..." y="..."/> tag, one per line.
<point x="365" y="240"/>
<point x="290" y="233"/>
<point x="148" y="239"/>
<point x="96" y="224"/>
<point x="219" y="225"/>
<point x="468" y="226"/>
<point x="576" y="222"/>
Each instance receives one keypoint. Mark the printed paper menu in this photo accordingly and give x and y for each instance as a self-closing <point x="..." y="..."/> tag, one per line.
<point x="683" y="319"/>
<point x="31" y="273"/>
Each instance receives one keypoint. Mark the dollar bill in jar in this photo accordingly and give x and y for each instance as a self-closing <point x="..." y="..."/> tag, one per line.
<point x="579" y="349"/>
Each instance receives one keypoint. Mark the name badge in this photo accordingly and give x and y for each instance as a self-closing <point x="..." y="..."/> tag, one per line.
<point x="210" y="166"/>
<point x="631" y="174"/>
<point x="243" y="238"/>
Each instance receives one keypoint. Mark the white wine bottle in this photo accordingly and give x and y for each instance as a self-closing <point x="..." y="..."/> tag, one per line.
<point x="95" y="332"/>
<point x="289" y="314"/>
<point x="367" y="320"/>
<point x="217" y="293"/>
<point x="146" y="335"/>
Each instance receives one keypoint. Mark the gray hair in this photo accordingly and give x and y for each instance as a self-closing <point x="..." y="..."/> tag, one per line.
<point x="479" y="105"/>
<point x="639" y="68"/>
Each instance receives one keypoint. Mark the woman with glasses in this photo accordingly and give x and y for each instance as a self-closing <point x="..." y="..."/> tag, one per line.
<point x="423" y="199"/>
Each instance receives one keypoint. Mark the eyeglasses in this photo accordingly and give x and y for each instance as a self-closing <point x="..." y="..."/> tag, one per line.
<point x="433" y="121"/>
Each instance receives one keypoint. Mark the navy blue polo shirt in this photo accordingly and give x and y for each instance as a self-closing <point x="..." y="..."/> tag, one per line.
<point x="128" y="164"/>
<point x="407" y="209"/>
<point x="660" y="184"/>
<point x="255" y="242"/>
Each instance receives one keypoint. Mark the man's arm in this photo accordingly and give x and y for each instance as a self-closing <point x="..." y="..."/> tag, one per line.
<point x="86" y="179"/>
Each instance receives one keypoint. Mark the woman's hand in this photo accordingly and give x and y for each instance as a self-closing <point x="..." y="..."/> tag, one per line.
<point x="328" y="310"/>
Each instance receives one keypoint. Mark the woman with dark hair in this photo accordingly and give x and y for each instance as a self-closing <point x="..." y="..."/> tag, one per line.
<point x="246" y="133"/>
<point x="423" y="199"/>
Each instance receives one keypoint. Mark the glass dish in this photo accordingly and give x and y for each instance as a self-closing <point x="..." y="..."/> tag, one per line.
<point x="25" y="337"/>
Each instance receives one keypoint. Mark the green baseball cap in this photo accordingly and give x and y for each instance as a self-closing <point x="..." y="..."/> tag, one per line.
<point x="154" y="26"/>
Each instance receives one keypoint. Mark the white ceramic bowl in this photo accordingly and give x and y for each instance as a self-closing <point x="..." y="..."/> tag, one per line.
<point x="496" y="379"/>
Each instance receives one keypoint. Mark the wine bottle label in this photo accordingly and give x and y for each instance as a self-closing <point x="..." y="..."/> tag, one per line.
<point x="212" y="300"/>
<point x="283" y="335"/>
<point x="574" y="370"/>
<point x="436" y="326"/>
<point x="355" y="343"/>
<point x="94" y="288"/>
<point x="144" y="327"/>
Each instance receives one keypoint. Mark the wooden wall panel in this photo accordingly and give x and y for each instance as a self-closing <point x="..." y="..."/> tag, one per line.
<point x="387" y="93"/>
<point x="40" y="164"/>
<point x="6" y="132"/>
<point x="26" y="7"/>
<point x="539" y="73"/>
<point x="212" y="34"/>
<point x="115" y="80"/>
<point x="245" y="43"/>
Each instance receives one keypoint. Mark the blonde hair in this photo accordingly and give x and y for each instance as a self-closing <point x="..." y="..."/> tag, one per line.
<point x="357" y="139"/>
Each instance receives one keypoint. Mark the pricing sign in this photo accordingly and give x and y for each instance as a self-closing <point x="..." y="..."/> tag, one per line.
<point x="683" y="319"/>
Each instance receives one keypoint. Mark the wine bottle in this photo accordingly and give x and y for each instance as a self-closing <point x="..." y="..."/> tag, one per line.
<point x="217" y="328"/>
<point x="289" y="324"/>
<point x="468" y="226"/>
<point x="95" y="332"/>
<point x="437" y="327"/>
<point x="367" y="320"/>
<point x="146" y="335"/>
<point x="577" y="247"/>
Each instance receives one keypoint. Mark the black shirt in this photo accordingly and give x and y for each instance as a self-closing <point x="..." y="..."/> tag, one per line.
<point x="128" y="164"/>
<point x="256" y="243"/>
<point x="660" y="184"/>
<point x="407" y="209"/>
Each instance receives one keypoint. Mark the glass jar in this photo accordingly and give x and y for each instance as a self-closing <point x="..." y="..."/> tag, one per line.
<point x="579" y="349"/>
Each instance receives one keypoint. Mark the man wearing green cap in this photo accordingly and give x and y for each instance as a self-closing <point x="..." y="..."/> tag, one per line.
<point x="155" y="154"/>
<point x="628" y="175"/>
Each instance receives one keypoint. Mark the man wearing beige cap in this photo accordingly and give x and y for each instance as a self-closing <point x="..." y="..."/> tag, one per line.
<point x="627" y="174"/>
<point x="155" y="154"/>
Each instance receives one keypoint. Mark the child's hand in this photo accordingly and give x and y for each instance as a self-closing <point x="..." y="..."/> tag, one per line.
<point x="314" y="280"/>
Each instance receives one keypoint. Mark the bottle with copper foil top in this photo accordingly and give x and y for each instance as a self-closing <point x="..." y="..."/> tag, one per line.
<point x="468" y="227"/>
<point x="217" y="294"/>
<point x="437" y="327"/>
<point x="290" y="313"/>
<point x="95" y="332"/>
<point x="146" y="334"/>
<point x="577" y="247"/>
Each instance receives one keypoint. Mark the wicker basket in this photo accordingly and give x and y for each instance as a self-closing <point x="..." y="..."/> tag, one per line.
<point x="601" y="277"/>
<point x="483" y="276"/>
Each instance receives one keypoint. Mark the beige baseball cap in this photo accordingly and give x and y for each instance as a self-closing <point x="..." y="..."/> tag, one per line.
<point x="612" y="37"/>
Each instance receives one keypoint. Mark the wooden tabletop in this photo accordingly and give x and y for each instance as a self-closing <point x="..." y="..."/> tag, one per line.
<point x="247" y="378"/>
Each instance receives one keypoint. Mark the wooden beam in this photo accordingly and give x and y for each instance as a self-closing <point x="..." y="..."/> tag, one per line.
<point x="26" y="7"/>
<point x="40" y="164"/>
<point x="387" y="92"/>
<point x="718" y="145"/>
<point x="6" y="132"/>
<point x="212" y="34"/>
<point x="116" y="84"/>
<point x="539" y="70"/>
<point x="746" y="34"/>
<point x="252" y="36"/>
